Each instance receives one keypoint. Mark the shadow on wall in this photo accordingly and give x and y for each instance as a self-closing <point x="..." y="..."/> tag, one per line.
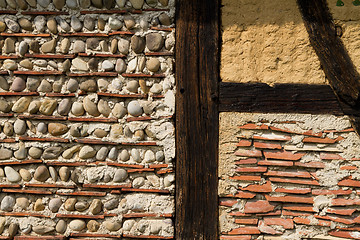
<point x="266" y="41"/>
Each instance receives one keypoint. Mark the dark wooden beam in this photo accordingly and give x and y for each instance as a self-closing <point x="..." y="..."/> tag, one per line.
<point x="335" y="60"/>
<point x="281" y="98"/>
<point x="197" y="124"/>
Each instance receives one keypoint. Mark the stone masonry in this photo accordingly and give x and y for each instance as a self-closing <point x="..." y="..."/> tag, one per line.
<point x="87" y="95"/>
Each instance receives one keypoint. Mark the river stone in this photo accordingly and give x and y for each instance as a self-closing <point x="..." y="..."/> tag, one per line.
<point x="13" y="229"/>
<point x="26" y="63"/>
<point x="32" y="84"/>
<point x="127" y="132"/>
<point x="90" y="107"/>
<point x="81" y="206"/>
<point x="116" y="131"/>
<point x="10" y="65"/>
<point x="100" y="23"/>
<point x="107" y="65"/>
<point x="97" y="3"/>
<point x="95" y="206"/>
<point x="49" y="47"/>
<point x="88" y="86"/>
<point x="8" y="130"/>
<point x="34" y="107"/>
<point x="32" y="3"/>
<point x="55" y="204"/>
<point x="92" y="43"/>
<point x="23" y="48"/>
<point x="12" y="25"/>
<point x="93" y="64"/>
<point x="144" y="24"/>
<point x="152" y="3"/>
<point x="64" y="107"/>
<point x="65" y="45"/>
<point x="121" y="3"/>
<point x="93" y="226"/>
<point x="102" y="84"/>
<point x="42" y="229"/>
<point x="111" y="226"/>
<point x="77" y="225"/>
<point x="164" y="2"/>
<point x="123" y="46"/>
<point x="53" y="173"/>
<point x="153" y="64"/>
<point x="2" y="26"/>
<point x="38" y="205"/>
<point x="4" y="106"/>
<point x="57" y="129"/>
<point x="54" y="65"/>
<point x="19" y="126"/>
<point x="113" y="46"/>
<point x="154" y="41"/>
<point x="25" y="174"/>
<point x="119" y="111"/>
<point x="68" y="153"/>
<point x="137" y="4"/>
<point x="22" y="4"/>
<point x="69" y="204"/>
<point x="40" y="22"/>
<point x="7" y="203"/>
<point x="138" y="182"/>
<point x="141" y="63"/>
<point x="72" y="4"/>
<point x="149" y="156"/>
<point x="35" y="152"/>
<point x="18" y="84"/>
<point x="132" y="86"/>
<point x="137" y="44"/>
<point x="79" y="46"/>
<point x="47" y="107"/>
<point x="131" y="67"/>
<point x="63" y="24"/>
<point x="79" y="64"/>
<point x="120" y="175"/>
<point x="22" y="202"/>
<point x="11" y="174"/>
<point x="102" y="153"/>
<point x="100" y="133"/>
<point x="4" y="84"/>
<point x="165" y="19"/>
<point x="44" y="86"/>
<point x="44" y="3"/>
<point x="72" y="85"/>
<point x="156" y="88"/>
<point x="134" y="108"/>
<point x="85" y="4"/>
<point x="9" y="45"/>
<point x="34" y="46"/>
<point x="104" y="108"/>
<point x="120" y="66"/>
<point x="111" y="204"/>
<point x="52" y="25"/>
<point x="57" y="86"/>
<point x="21" y="105"/>
<point x="114" y="23"/>
<point x="77" y="109"/>
<point x="113" y="153"/>
<point x="41" y="174"/>
<point x="75" y="23"/>
<point x="64" y="173"/>
<point x="87" y="152"/>
<point x="109" y="4"/>
<point x="135" y="154"/>
<point x="60" y="226"/>
<point x="129" y="22"/>
<point x="41" y="63"/>
<point x="75" y="176"/>
<point x="89" y="22"/>
<point x="51" y="152"/>
<point x="104" y="46"/>
<point x="59" y="4"/>
<point x="124" y="155"/>
<point x="25" y="24"/>
<point x="139" y="135"/>
<point x="66" y="65"/>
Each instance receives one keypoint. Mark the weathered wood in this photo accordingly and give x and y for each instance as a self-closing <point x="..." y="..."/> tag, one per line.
<point x="335" y="60"/>
<point x="197" y="124"/>
<point x="281" y="98"/>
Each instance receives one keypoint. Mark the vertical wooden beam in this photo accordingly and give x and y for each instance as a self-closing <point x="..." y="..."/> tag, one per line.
<point x="197" y="119"/>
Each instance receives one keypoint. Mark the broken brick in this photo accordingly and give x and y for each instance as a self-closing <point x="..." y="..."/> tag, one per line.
<point x="300" y="208"/>
<point x="252" y="169"/>
<point x="283" y="155"/>
<point x="264" y="188"/>
<point x="267" y="145"/>
<point x="290" y="199"/>
<point x="248" y="153"/>
<point x="330" y="192"/>
<point x="345" y="212"/>
<point x="247" y="221"/>
<point x="260" y="206"/>
<point x="296" y="174"/>
<point x="275" y="163"/>
<point x="246" y="161"/>
<point x="295" y="181"/>
<point x="294" y="190"/>
<point x="246" y="178"/>
<point x="244" y="143"/>
<point x="252" y="126"/>
<point x="244" y="231"/>
<point x="287" y="223"/>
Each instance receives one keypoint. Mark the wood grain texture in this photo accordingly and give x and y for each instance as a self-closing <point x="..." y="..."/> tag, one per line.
<point x="197" y="124"/>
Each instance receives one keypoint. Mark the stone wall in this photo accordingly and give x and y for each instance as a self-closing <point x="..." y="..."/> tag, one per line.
<point x="86" y="101"/>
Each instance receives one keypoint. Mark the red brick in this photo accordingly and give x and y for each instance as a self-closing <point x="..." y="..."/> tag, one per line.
<point x="299" y="208"/>
<point x="241" y="194"/>
<point x="348" y="168"/>
<point x="330" y="192"/>
<point x="276" y="163"/>
<point x="297" y="174"/>
<point x="330" y="156"/>
<point x="295" y="214"/>
<point x="319" y="140"/>
<point x="306" y="221"/>
<point x="336" y="219"/>
<point x="346" y="235"/>
<point x="244" y="231"/>
<point x="251" y="169"/>
<point x="287" y="223"/>
<point x="264" y="188"/>
<point x="247" y="221"/>
<point x="290" y="199"/>
<point x="294" y="190"/>
<point x="283" y="155"/>
<point x="299" y="220"/>
<point x="344" y="202"/>
<point x="264" y="228"/>
<point x="242" y="237"/>
<point x="348" y="228"/>
<point x="244" y="143"/>
<point x="310" y="164"/>
<point x="262" y="145"/>
<point x="228" y="203"/>
<point x="308" y="133"/>
<point x="345" y="212"/>
<point x="252" y="126"/>
<point x="246" y="178"/>
<point x="246" y="161"/>
<point x="272" y="138"/>
<point x="340" y="131"/>
<point x="239" y="214"/>
<point x="248" y="153"/>
<point x="276" y="213"/>
<point x="260" y="206"/>
<point x="349" y="183"/>
<point x="147" y="215"/>
<point x="38" y="237"/>
<point x="295" y="181"/>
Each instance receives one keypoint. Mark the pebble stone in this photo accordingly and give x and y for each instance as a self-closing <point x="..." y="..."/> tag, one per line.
<point x="100" y="23"/>
<point x="104" y="108"/>
<point x="124" y="155"/>
<point x="72" y="85"/>
<point x="114" y="23"/>
<point x="123" y="46"/>
<point x="89" y="86"/>
<point x="69" y="204"/>
<point x="52" y="25"/>
<point x="79" y="46"/>
<point x="112" y="226"/>
<point x="133" y="86"/>
<point x="89" y="22"/>
<point x="111" y="204"/>
<point x="135" y="154"/>
<point x="59" y="4"/>
<point x="9" y="131"/>
<point x="44" y="3"/>
<point x="65" y="45"/>
<point x="41" y="174"/>
<point x="121" y="3"/>
<point x="129" y="22"/>
<point x="39" y="205"/>
<point x="79" y="64"/>
<point x="90" y="107"/>
<point x="21" y="105"/>
<point x="55" y="204"/>
<point x="2" y="26"/>
<point x="26" y="63"/>
<point x="57" y="129"/>
<point x="51" y="152"/>
<point x="40" y="22"/>
<point x="102" y="84"/>
<point x="9" y="45"/>
<point x="95" y="206"/>
<point x="63" y="24"/>
<point x="119" y="110"/>
<point x="22" y="202"/>
<point x="42" y="229"/>
<point x="93" y="64"/>
<point x="18" y="84"/>
<point x="64" y="173"/>
<point x="10" y="65"/>
<point x="64" y="107"/>
<point x="107" y="65"/>
<point x="100" y="133"/>
<point x="92" y="43"/>
<point x="77" y="109"/>
<point x="23" y="48"/>
<point x="81" y="206"/>
<point x="164" y="19"/>
<point x="153" y="64"/>
<point x="53" y="173"/>
<point x="4" y="84"/>
<point x="13" y="229"/>
<point x="120" y="66"/>
<point x="7" y="203"/>
<point x="154" y="41"/>
<point x="11" y="174"/>
<point x="113" y="153"/>
<point x="25" y="174"/>
<point x="75" y="23"/>
<point x="97" y="3"/>
<point x="48" y="106"/>
<point x="72" y="4"/>
<point x="137" y="4"/>
<point x="68" y="153"/>
<point x="60" y="226"/>
<point x="93" y="226"/>
<point x="120" y="175"/>
<point x="35" y="152"/>
<point x="34" y="107"/>
<point x="45" y="86"/>
<point x="134" y="108"/>
<point x="87" y="152"/>
<point x="102" y="153"/>
<point x="137" y="44"/>
<point x="49" y="47"/>
<point x="77" y="225"/>
<point x="32" y="3"/>
<point x="34" y="46"/>
<point x="12" y="25"/>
